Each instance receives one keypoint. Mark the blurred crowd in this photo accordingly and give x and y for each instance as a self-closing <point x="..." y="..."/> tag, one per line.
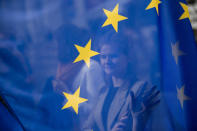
<point x="193" y="15"/>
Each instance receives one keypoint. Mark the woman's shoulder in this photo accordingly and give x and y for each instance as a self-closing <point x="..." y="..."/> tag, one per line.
<point x="139" y="84"/>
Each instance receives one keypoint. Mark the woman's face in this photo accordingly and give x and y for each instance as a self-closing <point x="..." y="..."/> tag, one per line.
<point x="112" y="60"/>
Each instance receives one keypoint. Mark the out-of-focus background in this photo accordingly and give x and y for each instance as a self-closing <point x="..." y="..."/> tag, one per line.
<point x="193" y="15"/>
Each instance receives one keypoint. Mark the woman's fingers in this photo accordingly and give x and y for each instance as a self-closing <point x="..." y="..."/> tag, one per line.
<point x="141" y="90"/>
<point x="149" y="91"/>
<point x="148" y="97"/>
<point x="152" y="97"/>
<point x="153" y="104"/>
<point x="154" y="100"/>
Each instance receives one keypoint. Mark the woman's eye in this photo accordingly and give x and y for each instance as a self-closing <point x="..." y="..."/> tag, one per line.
<point x="103" y="56"/>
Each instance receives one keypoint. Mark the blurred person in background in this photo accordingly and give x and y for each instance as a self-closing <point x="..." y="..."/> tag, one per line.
<point x="16" y="81"/>
<point x="68" y="78"/>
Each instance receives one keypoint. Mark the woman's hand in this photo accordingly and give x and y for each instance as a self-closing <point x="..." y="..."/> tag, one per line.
<point x="140" y="107"/>
<point x="142" y="104"/>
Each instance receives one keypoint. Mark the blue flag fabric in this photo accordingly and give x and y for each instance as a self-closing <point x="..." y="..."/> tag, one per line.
<point x="97" y="65"/>
<point x="8" y="117"/>
<point x="178" y="73"/>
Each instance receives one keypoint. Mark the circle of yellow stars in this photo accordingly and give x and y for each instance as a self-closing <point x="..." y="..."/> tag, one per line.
<point x="85" y="53"/>
<point x="185" y="13"/>
<point x="176" y="52"/>
<point x="181" y="95"/>
<point x="113" y="18"/>
<point x="154" y="4"/>
<point x="73" y="100"/>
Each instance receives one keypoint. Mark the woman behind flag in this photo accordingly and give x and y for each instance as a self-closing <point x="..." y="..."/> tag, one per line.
<point x="123" y="99"/>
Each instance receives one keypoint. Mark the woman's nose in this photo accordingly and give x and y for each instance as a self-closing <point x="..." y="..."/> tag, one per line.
<point x="108" y="59"/>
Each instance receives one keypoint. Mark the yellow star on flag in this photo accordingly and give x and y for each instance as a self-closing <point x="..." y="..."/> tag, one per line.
<point x="185" y="13"/>
<point x="73" y="100"/>
<point x="85" y="53"/>
<point x="113" y="18"/>
<point x="176" y="52"/>
<point x="181" y="96"/>
<point x="154" y="4"/>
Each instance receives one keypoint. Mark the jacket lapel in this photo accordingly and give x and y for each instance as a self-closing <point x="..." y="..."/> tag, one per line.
<point x="117" y="103"/>
<point x="99" y="108"/>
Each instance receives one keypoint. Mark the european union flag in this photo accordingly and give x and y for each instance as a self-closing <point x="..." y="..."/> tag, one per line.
<point x="178" y="55"/>
<point x="97" y="65"/>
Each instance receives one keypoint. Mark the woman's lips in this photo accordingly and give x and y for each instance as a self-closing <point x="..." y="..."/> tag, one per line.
<point x="108" y="66"/>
